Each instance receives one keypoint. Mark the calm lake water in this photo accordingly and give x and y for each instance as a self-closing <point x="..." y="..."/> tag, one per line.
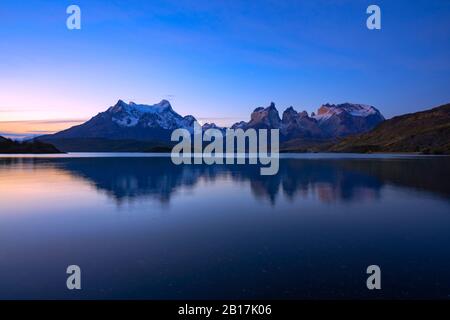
<point x="142" y="228"/>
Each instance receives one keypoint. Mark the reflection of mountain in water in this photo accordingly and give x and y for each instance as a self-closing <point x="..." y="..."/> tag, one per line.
<point x="328" y="180"/>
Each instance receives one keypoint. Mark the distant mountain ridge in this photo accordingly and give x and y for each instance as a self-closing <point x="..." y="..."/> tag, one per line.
<point x="138" y="127"/>
<point x="10" y="146"/>
<point x="424" y="132"/>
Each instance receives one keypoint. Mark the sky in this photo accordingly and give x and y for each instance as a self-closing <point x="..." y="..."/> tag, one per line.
<point x="217" y="60"/>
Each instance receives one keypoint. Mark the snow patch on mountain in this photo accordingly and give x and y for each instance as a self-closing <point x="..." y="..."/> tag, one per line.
<point x="326" y="111"/>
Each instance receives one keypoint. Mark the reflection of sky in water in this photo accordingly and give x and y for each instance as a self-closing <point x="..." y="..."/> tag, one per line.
<point x="137" y="179"/>
<point x="144" y="228"/>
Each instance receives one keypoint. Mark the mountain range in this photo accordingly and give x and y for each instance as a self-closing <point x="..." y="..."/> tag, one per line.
<point x="343" y="127"/>
<point x="137" y="127"/>
<point x="330" y="122"/>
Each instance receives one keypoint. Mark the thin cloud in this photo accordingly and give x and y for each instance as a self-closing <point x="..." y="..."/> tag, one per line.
<point x="14" y="110"/>
<point x="25" y="128"/>
<point x="11" y="134"/>
<point x="49" y="121"/>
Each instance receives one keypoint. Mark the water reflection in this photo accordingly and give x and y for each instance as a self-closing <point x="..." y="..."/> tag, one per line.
<point x="228" y="233"/>
<point x="328" y="180"/>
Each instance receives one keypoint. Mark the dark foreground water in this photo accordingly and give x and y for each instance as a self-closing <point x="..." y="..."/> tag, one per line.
<point x="141" y="227"/>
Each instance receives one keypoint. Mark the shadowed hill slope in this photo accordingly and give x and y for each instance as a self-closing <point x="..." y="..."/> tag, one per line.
<point x="425" y="132"/>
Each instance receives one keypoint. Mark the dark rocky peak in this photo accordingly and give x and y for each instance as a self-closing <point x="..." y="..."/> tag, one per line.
<point x="289" y="115"/>
<point x="239" y="125"/>
<point x="304" y="114"/>
<point x="265" y="117"/>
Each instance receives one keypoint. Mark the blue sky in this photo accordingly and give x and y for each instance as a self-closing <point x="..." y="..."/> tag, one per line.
<point x="221" y="59"/>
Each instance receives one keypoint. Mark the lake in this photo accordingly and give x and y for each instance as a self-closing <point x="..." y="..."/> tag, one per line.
<point x="141" y="227"/>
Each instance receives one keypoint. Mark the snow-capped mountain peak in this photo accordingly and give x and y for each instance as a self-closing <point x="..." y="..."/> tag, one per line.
<point x="135" y="108"/>
<point x="157" y="115"/>
<point x="326" y="111"/>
